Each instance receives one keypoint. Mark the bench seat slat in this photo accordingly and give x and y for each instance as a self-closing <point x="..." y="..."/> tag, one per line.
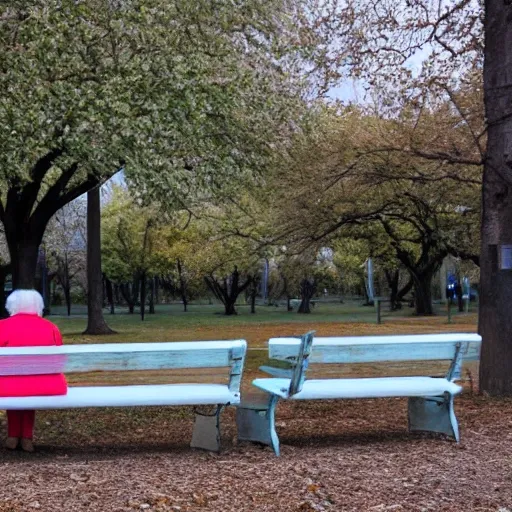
<point x="123" y="396"/>
<point x="361" y="388"/>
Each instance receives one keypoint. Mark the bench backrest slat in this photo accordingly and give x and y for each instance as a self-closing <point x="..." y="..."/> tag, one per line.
<point x="237" y="357"/>
<point x="366" y="349"/>
<point x="301" y="365"/>
<point x="122" y="357"/>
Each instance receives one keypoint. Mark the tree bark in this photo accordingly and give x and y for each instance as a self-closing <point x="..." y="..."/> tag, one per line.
<point x="495" y="320"/>
<point x="460" y="302"/>
<point x="392" y="278"/>
<point x="142" y="295"/>
<point x="66" y="285"/>
<point x="128" y="292"/>
<point x="253" y="292"/>
<point x="152" y="296"/>
<point x="423" y="294"/>
<point x="183" y="286"/>
<point x="95" y="322"/>
<point x="157" y="290"/>
<point x="307" y="290"/>
<point x="228" y="290"/>
<point x="110" y="295"/>
<point x="24" y="264"/>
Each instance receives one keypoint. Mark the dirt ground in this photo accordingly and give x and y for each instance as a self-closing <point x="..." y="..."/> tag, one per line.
<point x="336" y="456"/>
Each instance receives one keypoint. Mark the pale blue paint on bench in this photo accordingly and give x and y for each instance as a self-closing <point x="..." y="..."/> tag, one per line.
<point x="430" y="398"/>
<point x="135" y="356"/>
<point x="116" y="357"/>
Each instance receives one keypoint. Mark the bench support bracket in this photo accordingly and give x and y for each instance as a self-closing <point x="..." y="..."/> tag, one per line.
<point x="433" y="414"/>
<point x="206" y="433"/>
<point x="256" y="423"/>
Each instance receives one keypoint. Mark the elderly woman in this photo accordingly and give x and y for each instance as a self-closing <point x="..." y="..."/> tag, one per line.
<point x="26" y="328"/>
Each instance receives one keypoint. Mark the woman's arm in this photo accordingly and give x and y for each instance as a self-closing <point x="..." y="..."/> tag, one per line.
<point x="57" y="336"/>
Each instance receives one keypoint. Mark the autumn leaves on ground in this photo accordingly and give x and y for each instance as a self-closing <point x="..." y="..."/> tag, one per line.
<point x="336" y="455"/>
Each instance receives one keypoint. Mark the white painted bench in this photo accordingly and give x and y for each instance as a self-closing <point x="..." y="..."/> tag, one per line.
<point x="226" y="355"/>
<point x="430" y="398"/>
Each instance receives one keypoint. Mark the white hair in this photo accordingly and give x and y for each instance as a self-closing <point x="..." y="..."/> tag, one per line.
<point x="25" y="301"/>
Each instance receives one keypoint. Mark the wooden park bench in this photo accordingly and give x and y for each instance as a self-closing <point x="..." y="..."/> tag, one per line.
<point x="430" y="406"/>
<point x="227" y="356"/>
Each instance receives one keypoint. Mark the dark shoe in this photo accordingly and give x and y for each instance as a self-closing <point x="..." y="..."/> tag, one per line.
<point x="26" y="445"/>
<point x="11" y="443"/>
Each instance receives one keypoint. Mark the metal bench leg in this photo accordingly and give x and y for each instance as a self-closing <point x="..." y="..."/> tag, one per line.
<point x="433" y="414"/>
<point x="257" y="424"/>
<point x="206" y="433"/>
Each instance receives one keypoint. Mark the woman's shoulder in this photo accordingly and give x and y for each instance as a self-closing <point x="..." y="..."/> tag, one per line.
<point x="28" y="319"/>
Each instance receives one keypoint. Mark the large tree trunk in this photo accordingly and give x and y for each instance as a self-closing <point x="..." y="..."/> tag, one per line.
<point x="495" y="320"/>
<point x="24" y="263"/>
<point x="95" y="322"/>
<point x="423" y="294"/>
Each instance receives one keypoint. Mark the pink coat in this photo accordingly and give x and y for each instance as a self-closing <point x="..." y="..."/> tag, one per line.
<point x="25" y="330"/>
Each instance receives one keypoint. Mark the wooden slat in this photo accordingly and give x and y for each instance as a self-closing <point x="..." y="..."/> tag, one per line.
<point x="117" y="357"/>
<point x="379" y="348"/>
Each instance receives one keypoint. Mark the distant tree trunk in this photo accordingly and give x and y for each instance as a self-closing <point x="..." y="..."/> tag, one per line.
<point x="117" y="298"/>
<point x="494" y="315"/>
<point x="67" y="298"/>
<point x="253" y="292"/>
<point x="460" y="301"/>
<point x="157" y="290"/>
<point x="367" y="301"/>
<point x="307" y="290"/>
<point x="128" y="295"/>
<point x="183" y="286"/>
<point x="95" y="322"/>
<point x="404" y="291"/>
<point x="392" y="278"/>
<point x="286" y="292"/>
<point x="142" y="295"/>
<point x="152" y="296"/>
<point x="110" y="295"/>
<point x="66" y="285"/>
<point x="227" y="290"/>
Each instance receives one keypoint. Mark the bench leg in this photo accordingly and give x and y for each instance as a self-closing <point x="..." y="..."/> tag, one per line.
<point x="258" y="424"/>
<point x="206" y="433"/>
<point x="433" y="414"/>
